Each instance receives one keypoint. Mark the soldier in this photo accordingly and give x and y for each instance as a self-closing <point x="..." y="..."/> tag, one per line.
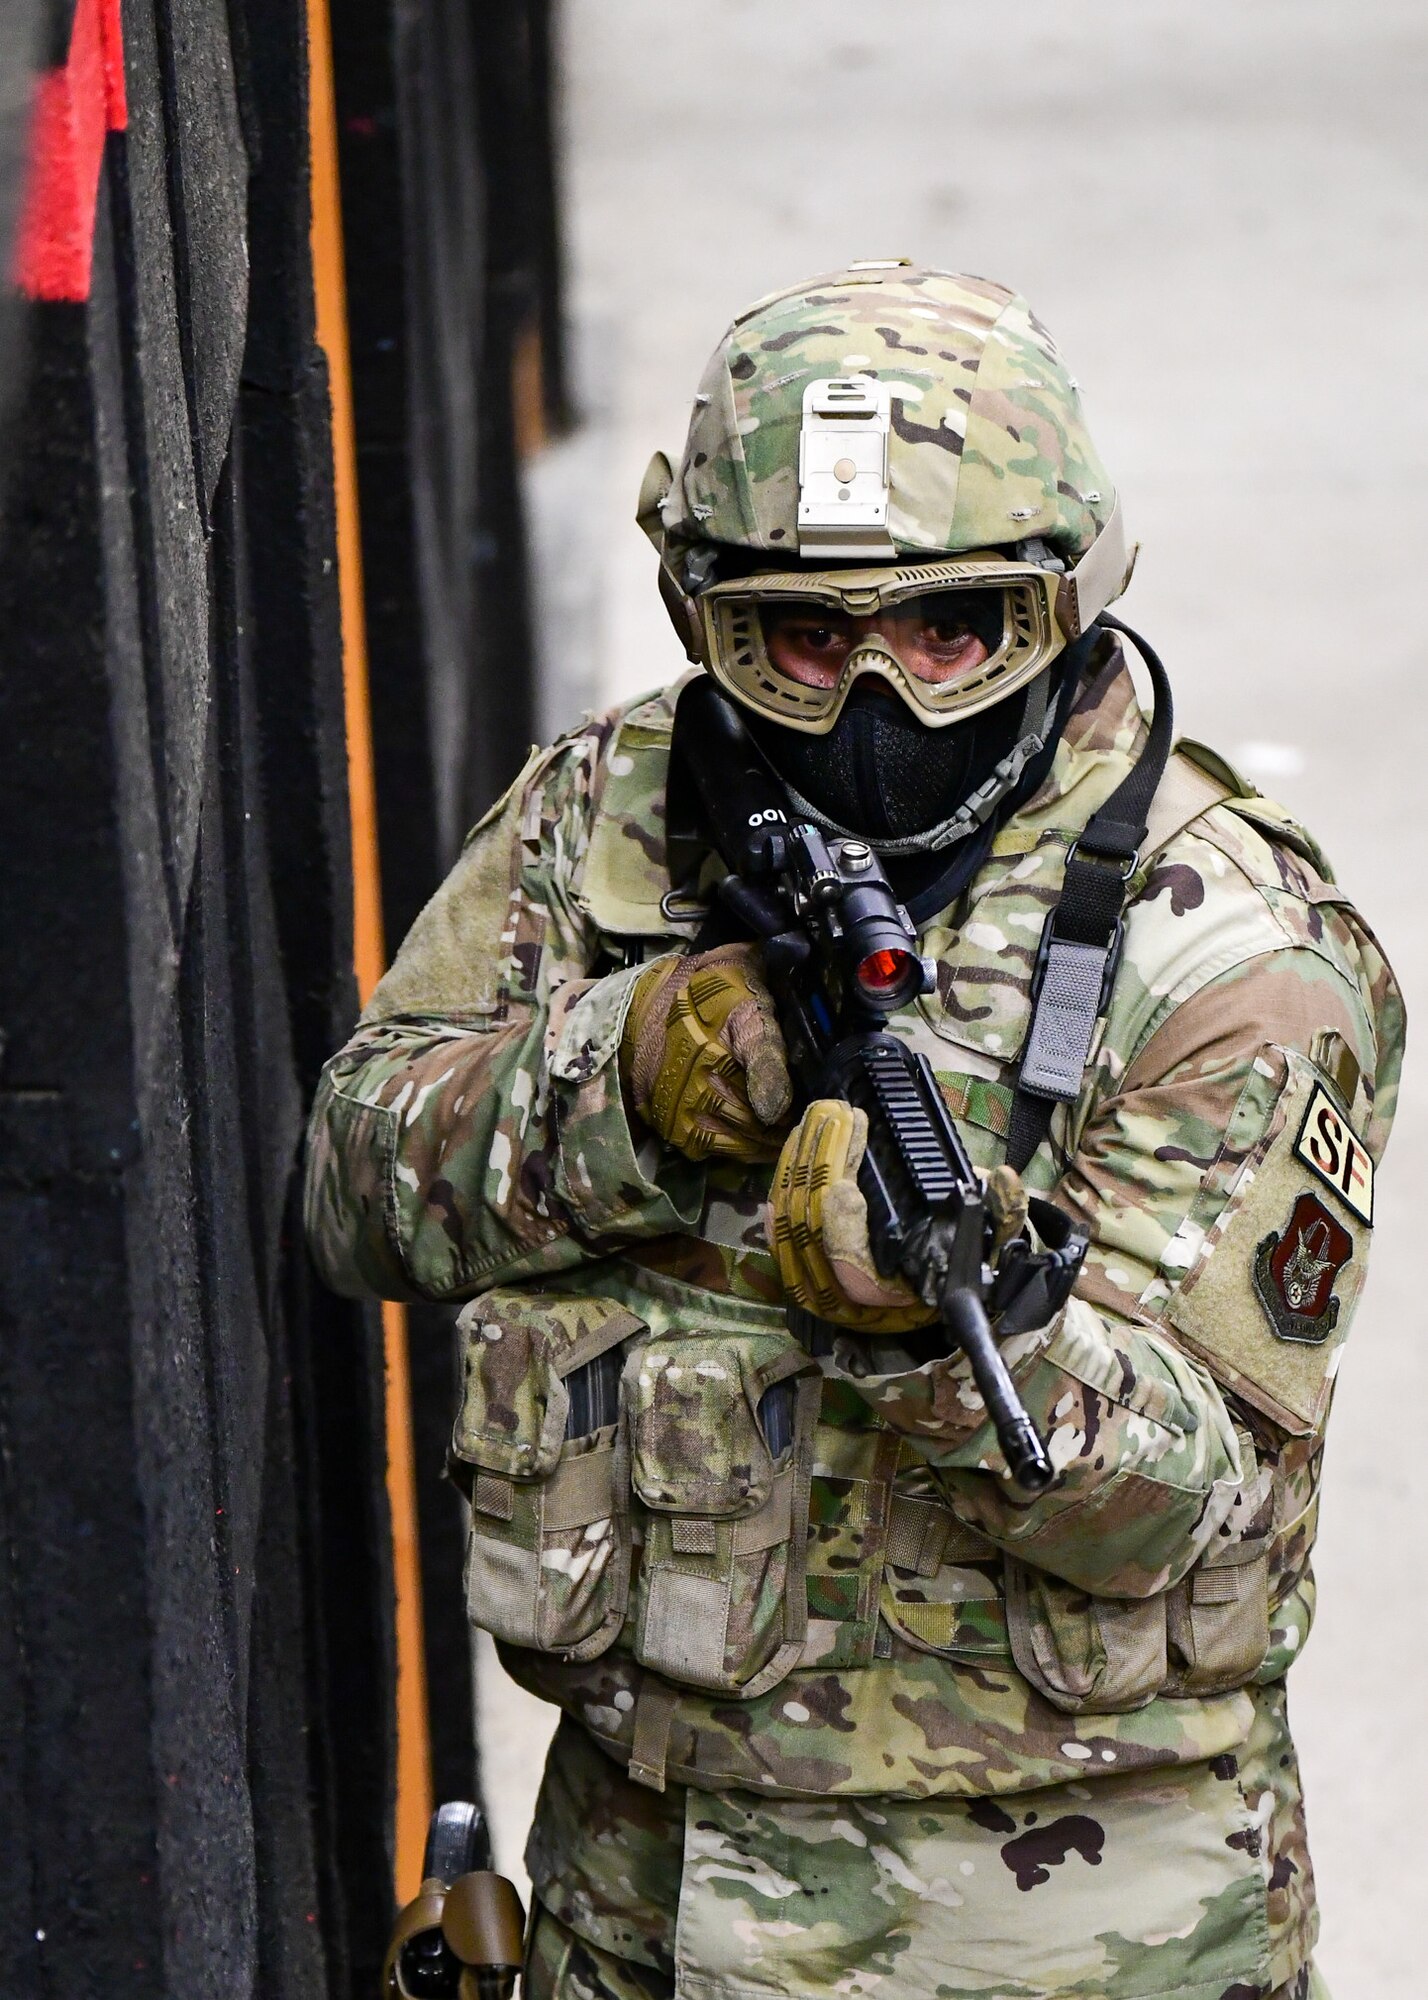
<point x="843" y="1706"/>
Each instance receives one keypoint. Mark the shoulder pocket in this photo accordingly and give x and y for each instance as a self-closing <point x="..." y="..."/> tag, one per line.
<point x="538" y="1449"/>
<point x="720" y="1430"/>
<point x="1269" y="1288"/>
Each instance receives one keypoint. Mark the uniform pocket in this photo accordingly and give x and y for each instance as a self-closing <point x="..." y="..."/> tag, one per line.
<point x="538" y="1448"/>
<point x="720" y="1430"/>
<point x="1218" y="1618"/>
<point x="1087" y="1655"/>
<point x="1219" y="1623"/>
<point x="942" y="1586"/>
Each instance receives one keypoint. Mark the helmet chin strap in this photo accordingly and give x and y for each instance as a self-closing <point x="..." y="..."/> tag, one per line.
<point x="1038" y="719"/>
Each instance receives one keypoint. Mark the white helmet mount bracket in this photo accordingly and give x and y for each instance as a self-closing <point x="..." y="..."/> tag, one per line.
<point x="843" y="470"/>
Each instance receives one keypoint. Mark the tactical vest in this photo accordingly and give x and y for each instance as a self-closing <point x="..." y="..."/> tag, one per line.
<point x="702" y="1545"/>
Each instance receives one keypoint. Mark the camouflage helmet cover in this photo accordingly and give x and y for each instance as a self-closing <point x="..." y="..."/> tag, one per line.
<point x="988" y="444"/>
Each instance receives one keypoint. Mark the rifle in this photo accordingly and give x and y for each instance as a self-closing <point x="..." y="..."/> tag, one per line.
<point x="841" y="954"/>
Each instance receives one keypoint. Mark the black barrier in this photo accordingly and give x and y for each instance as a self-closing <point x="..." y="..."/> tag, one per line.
<point x="446" y="136"/>
<point x="196" y="1666"/>
<point x="195" y="1615"/>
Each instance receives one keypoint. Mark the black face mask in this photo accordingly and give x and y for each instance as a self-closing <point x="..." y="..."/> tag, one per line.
<point x="882" y="773"/>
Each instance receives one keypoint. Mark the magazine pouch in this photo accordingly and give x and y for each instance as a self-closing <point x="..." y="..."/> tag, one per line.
<point x="720" y="1429"/>
<point x="538" y="1448"/>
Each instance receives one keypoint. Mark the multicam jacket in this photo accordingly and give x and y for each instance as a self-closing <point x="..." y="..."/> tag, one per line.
<point x="861" y="1606"/>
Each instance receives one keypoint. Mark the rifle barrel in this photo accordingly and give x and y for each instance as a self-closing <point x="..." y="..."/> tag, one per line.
<point x="1027" y="1459"/>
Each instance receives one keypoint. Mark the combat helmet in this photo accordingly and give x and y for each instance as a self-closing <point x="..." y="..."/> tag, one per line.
<point x="877" y="440"/>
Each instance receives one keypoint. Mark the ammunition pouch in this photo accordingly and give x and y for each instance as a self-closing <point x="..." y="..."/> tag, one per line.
<point x="548" y="1561"/>
<point x="657" y="1487"/>
<point x="685" y="1476"/>
<point x="720" y="1432"/>
<point x="949" y="1590"/>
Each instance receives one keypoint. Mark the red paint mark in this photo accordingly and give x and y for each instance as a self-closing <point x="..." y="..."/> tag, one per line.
<point x="74" y="106"/>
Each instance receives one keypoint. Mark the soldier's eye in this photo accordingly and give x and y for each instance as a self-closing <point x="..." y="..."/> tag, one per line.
<point x="810" y="635"/>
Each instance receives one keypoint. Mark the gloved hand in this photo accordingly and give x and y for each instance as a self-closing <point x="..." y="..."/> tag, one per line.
<point x="818" y="1225"/>
<point x="702" y="1059"/>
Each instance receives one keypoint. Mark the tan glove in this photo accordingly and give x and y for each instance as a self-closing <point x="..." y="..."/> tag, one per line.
<point x="702" y="1059"/>
<point x="818" y="1225"/>
<point x="1008" y="1204"/>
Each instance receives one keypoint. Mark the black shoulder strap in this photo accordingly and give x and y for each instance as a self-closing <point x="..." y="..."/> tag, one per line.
<point x="1081" y="941"/>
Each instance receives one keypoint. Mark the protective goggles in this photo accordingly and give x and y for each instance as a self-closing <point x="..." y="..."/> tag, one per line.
<point x="951" y="637"/>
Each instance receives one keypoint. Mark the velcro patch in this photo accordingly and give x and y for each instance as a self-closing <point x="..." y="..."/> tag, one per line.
<point x="1270" y="1294"/>
<point x="1329" y="1148"/>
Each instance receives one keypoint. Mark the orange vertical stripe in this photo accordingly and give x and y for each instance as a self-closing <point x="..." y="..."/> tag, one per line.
<point x="414" y="1788"/>
<point x="330" y="284"/>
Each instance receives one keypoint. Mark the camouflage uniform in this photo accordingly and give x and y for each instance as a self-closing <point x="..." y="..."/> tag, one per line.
<point x="884" y="1717"/>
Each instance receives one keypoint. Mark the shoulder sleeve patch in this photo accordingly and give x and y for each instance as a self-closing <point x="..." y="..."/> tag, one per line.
<point x="1267" y="1301"/>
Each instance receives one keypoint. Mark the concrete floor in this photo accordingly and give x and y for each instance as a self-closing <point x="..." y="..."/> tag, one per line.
<point x="1221" y="213"/>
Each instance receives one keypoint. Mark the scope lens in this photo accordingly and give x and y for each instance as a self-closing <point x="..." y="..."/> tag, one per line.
<point x="887" y="975"/>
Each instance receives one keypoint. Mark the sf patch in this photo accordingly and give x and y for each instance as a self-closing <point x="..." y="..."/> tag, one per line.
<point x="1295" y="1269"/>
<point x="1330" y="1149"/>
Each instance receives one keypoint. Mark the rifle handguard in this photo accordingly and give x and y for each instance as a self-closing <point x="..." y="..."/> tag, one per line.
<point x="927" y="1221"/>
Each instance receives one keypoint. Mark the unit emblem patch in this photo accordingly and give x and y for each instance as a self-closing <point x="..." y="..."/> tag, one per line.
<point x="1295" y="1270"/>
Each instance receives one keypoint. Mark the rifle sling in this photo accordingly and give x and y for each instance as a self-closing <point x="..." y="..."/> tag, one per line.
<point x="1080" y="946"/>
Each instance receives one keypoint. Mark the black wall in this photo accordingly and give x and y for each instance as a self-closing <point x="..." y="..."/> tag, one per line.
<point x="195" y="1660"/>
<point x="445" y="123"/>
<point x="196" y="1668"/>
<point x="446" y="128"/>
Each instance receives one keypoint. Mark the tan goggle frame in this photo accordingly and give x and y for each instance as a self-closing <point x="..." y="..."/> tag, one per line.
<point x="734" y="650"/>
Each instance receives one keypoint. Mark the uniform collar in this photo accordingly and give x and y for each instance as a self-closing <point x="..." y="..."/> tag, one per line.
<point x="1103" y="736"/>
